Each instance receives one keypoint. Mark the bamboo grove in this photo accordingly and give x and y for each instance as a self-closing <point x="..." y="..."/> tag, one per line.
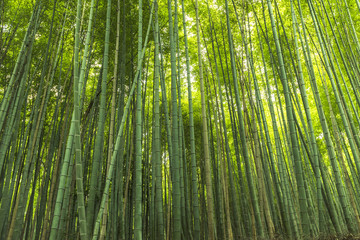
<point x="179" y="119"/>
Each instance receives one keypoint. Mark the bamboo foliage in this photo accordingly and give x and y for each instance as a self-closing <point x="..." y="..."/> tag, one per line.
<point x="179" y="119"/>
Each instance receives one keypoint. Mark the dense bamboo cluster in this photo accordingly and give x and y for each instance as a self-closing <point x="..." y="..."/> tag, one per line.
<point x="148" y="119"/>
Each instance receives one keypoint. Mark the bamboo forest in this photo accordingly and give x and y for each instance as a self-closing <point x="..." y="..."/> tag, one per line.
<point x="179" y="119"/>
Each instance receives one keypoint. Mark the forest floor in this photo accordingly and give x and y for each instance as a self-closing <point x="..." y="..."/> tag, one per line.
<point x="346" y="237"/>
<point x="328" y="237"/>
<point x="341" y="237"/>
